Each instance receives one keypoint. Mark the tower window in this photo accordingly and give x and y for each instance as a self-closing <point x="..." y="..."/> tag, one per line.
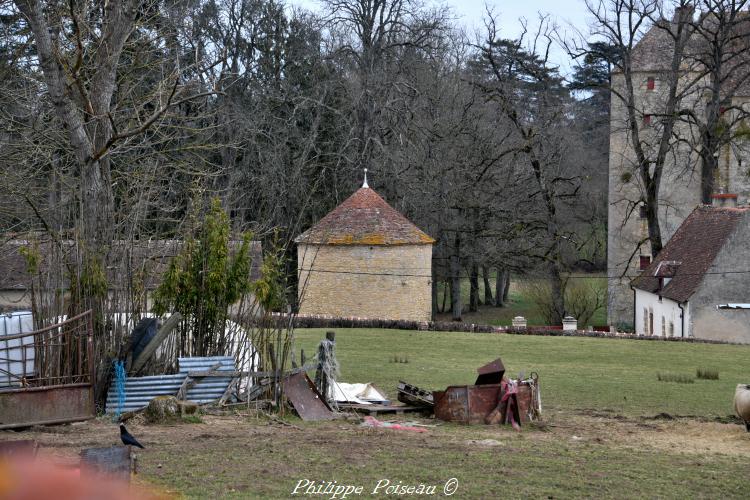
<point x="650" y="83"/>
<point x="647" y="119"/>
<point x="642" y="212"/>
<point x="644" y="262"/>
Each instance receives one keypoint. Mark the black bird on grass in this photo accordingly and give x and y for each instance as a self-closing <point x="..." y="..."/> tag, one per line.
<point x="127" y="438"/>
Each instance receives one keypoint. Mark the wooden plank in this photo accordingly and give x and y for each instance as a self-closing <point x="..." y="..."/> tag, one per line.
<point x="228" y="391"/>
<point x="186" y="384"/>
<point x="152" y="346"/>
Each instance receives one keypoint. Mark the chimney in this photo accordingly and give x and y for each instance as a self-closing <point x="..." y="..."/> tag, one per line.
<point x="683" y="14"/>
<point x="724" y="200"/>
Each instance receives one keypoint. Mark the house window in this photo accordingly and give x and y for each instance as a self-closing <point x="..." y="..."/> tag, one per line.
<point x="647" y="120"/>
<point x="671" y="328"/>
<point x="645" y="262"/>
<point x="645" y="321"/>
<point x="663" y="327"/>
<point x="642" y="211"/>
<point x="650" y="83"/>
<point x="650" y="322"/>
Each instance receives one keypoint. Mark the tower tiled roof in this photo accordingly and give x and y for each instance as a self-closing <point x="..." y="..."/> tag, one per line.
<point x="690" y="252"/>
<point x="365" y="219"/>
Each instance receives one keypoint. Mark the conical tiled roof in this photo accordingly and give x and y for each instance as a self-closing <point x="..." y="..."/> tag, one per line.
<point x="364" y="219"/>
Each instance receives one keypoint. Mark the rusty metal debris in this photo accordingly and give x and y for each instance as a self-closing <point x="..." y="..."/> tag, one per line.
<point x="413" y="395"/>
<point x="47" y="374"/>
<point x="491" y="399"/>
<point x="305" y="398"/>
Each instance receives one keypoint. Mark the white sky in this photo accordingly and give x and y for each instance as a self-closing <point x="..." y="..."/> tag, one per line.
<point x="470" y="13"/>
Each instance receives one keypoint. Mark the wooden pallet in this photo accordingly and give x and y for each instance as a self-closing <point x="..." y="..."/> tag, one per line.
<point x="375" y="409"/>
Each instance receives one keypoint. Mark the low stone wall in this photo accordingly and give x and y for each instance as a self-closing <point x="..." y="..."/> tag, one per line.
<point x="315" y="321"/>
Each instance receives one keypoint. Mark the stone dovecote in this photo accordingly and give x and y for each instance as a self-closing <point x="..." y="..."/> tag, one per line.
<point x="364" y="259"/>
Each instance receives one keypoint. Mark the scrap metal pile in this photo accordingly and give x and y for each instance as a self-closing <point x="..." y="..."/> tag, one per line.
<point x="493" y="398"/>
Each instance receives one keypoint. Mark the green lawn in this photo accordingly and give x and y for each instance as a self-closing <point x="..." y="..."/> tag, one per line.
<point x="575" y="373"/>
<point x="596" y="440"/>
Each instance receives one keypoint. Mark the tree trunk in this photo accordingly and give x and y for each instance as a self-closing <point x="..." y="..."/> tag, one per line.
<point x="487" y="287"/>
<point x="557" y="288"/>
<point x="500" y="286"/>
<point x="474" y="287"/>
<point x="456" y="280"/>
<point x="708" y="173"/>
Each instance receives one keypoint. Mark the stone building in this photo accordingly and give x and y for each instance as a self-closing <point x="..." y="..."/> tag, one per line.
<point x="628" y="248"/>
<point x="364" y="259"/>
<point x="699" y="284"/>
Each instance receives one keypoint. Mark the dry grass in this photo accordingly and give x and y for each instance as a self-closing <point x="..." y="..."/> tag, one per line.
<point x="602" y="455"/>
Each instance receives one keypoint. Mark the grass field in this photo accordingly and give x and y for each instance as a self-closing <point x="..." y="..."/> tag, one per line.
<point x="576" y="373"/>
<point x="598" y="437"/>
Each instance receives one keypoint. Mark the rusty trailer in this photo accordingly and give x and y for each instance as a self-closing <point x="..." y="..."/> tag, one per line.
<point x="473" y="404"/>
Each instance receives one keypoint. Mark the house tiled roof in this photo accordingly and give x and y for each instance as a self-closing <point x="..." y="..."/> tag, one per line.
<point x="364" y="219"/>
<point x="690" y="252"/>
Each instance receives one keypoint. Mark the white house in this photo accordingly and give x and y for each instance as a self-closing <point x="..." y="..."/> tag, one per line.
<point x="699" y="281"/>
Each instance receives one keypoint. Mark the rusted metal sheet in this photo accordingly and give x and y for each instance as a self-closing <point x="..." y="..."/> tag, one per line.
<point x="305" y="398"/>
<point x="48" y="374"/>
<point x="45" y="405"/>
<point x="468" y="404"/>
<point x="113" y="462"/>
<point x="491" y="373"/>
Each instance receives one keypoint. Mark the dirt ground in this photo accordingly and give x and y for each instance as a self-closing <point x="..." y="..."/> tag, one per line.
<point x="226" y="454"/>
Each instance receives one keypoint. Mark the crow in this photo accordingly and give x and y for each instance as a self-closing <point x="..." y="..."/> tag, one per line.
<point x="127" y="438"/>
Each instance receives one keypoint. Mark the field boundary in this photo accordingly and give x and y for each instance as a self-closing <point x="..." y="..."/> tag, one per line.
<point x="316" y="321"/>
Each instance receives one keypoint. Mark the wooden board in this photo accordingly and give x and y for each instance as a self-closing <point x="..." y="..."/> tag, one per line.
<point x="376" y="409"/>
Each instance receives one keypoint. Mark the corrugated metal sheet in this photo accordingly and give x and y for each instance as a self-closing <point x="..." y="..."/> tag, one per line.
<point x="12" y="354"/>
<point x="140" y="390"/>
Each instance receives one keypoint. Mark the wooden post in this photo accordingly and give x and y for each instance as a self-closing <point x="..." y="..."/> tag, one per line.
<point x="321" y="377"/>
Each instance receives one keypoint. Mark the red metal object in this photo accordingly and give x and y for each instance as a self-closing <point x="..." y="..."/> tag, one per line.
<point x="471" y="404"/>
<point x="305" y="398"/>
<point x="50" y="379"/>
<point x="491" y="373"/>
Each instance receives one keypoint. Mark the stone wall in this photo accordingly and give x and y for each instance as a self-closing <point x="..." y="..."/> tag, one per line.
<point x="388" y="282"/>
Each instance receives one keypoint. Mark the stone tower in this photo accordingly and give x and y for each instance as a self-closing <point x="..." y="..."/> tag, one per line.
<point x="628" y="248"/>
<point x="364" y="259"/>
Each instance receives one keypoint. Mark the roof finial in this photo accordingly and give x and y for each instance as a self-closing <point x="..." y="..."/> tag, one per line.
<point x="364" y="184"/>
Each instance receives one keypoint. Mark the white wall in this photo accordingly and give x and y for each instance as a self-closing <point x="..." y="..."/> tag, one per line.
<point x="649" y="303"/>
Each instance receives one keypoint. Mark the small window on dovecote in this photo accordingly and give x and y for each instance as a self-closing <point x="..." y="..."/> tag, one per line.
<point x="647" y="120"/>
<point x="642" y="212"/>
<point x="650" y="83"/>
